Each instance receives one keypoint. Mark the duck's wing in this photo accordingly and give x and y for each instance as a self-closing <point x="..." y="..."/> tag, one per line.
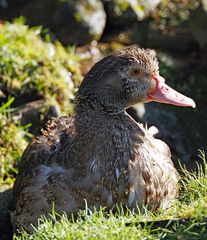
<point x="44" y="150"/>
<point x="50" y="187"/>
<point x="42" y="178"/>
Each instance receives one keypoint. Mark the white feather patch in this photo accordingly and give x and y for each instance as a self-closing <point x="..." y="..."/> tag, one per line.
<point x="93" y="165"/>
<point x="117" y="173"/>
<point x="153" y="130"/>
<point x="131" y="197"/>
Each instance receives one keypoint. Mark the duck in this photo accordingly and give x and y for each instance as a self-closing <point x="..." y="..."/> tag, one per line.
<point x="100" y="155"/>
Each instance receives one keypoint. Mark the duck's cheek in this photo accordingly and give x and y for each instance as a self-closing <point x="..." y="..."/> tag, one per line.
<point x="141" y="91"/>
<point x="152" y="86"/>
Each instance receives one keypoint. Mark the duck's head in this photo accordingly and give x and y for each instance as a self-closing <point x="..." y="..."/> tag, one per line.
<point x="125" y="78"/>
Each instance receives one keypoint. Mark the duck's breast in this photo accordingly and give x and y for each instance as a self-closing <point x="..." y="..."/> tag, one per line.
<point x="153" y="178"/>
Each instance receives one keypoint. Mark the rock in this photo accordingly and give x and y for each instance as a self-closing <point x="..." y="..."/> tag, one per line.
<point x="88" y="56"/>
<point x="178" y="39"/>
<point x="120" y="14"/>
<point x="71" y="21"/>
<point x="198" y="25"/>
<point x="117" y="17"/>
<point x="38" y="113"/>
<point x="142" y="8"/>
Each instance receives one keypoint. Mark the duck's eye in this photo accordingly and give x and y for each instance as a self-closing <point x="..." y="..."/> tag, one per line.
<point x="135" y="72"/>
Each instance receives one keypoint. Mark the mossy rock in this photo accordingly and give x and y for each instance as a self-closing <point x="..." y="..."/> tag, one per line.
<point x="122" y="13"/>
<point x="32" y="69"/>
<point x="37" y="81"/>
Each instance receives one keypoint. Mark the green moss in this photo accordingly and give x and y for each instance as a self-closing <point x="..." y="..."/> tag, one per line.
<point x="13" y="140"/>
<point x="30" y="65"/>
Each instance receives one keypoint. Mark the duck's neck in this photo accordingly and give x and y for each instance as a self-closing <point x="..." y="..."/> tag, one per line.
<point x="90" y="117"/>
<point x="107" y="137"/>
<point x="93" y="103"/>
<point x="91" y="113"/>
<point x="102" y="135"/>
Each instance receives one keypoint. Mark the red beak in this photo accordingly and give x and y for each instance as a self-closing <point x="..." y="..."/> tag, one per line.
<point x="165" y="94"/>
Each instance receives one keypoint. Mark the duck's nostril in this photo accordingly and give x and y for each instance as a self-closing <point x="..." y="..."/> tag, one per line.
<point x="165" y="89"/>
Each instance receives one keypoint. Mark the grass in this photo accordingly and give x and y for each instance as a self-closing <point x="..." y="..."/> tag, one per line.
<point x="187" y="219"/>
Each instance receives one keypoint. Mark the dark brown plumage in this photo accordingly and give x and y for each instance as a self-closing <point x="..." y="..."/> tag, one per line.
<point x="101" y="154"/>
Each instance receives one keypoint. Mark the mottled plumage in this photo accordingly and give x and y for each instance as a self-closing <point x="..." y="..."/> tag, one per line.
<point x="100" y="154"/>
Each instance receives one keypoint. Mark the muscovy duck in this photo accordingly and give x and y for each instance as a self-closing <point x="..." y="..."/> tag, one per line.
<point x="100" y="154"/>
